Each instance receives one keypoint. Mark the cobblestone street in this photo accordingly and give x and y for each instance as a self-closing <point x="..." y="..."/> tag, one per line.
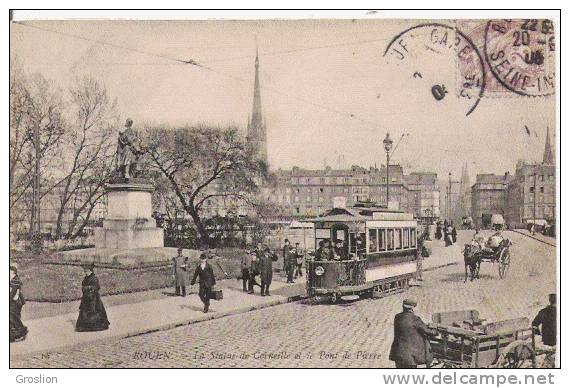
<point x="343" y="335"/>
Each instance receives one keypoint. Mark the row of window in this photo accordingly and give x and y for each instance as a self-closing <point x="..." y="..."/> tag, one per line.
<point x="339" y="181"/>
<point x="539" y="178"/>
<point x="389" y="239"/>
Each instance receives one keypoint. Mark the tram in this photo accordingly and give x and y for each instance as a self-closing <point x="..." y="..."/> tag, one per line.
<point x="377" y="255"/>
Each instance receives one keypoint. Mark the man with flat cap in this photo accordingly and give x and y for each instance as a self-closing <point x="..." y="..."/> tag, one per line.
<point x="411" y="345"/>
<point x="547" y="319"/>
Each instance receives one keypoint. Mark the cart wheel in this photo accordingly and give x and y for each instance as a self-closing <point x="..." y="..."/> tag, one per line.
<point x="517" y="354"/>
<point x="334" y="298"/>
<point x="504" y="263"/>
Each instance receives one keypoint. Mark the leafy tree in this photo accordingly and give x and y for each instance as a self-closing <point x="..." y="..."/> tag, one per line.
<point x="204" y="164"/>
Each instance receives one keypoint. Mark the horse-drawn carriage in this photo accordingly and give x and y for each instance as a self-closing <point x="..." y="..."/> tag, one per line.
<point x="499" y="253"/>
<point x="464" y="340"/>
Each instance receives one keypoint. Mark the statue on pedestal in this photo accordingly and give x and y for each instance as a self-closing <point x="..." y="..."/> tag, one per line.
<point x="128" y="152"/>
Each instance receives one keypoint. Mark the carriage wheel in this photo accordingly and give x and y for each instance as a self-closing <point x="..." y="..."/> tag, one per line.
<point x="517" y="355"/>
<point x="504" y="263"/>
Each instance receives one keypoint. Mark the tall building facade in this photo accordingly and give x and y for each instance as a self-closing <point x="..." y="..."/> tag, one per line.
<point x="256" y="129"/>
<point x="488" y="197"/>
<point x="532" y="193"/>
<point x="303" y="192"/>
<point x="423" y="194"/>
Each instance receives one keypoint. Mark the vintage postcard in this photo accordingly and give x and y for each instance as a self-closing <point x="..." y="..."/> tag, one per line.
<point x="360" y="192"/>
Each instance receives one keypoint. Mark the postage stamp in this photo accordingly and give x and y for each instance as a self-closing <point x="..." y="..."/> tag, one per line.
<point x="519" y="55"/>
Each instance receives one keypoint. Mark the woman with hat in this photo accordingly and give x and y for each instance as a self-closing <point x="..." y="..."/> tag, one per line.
<point x="18" y="331"/>
<point x="92" y="314"/>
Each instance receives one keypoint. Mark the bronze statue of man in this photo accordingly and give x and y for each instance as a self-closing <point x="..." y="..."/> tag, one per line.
<point x="127" y="155"/>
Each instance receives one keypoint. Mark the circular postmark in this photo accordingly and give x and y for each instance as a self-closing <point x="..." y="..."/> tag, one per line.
<point x="444" y="57"/>
<point x="521" y="55"/>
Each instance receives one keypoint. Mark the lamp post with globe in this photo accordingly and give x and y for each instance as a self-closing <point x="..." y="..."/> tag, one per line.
<point x="387" y="147"/>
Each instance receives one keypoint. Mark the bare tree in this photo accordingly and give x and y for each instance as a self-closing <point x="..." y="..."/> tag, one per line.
<point x="205" y="164"/>
<point x="86" y="158"/>
<point x="34" y="102"/>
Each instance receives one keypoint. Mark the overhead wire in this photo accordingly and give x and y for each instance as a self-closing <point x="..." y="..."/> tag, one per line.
<point x="202" y="65"/>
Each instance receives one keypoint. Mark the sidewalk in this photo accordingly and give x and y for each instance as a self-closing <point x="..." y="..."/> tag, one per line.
<point x="57" y="333"/>
<point x="537" y="236"/>
<point x="155" y="310"/>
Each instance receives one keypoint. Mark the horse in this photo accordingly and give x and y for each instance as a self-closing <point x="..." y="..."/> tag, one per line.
<point x="472" y="259"/>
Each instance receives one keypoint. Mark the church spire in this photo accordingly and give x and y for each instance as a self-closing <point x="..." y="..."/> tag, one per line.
<point x="256" y="132"/>
<point x="548" y="156"/>
<point x="256" y="116"/>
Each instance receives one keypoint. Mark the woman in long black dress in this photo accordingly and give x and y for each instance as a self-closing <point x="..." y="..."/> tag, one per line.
<point x="18" y="331"/>
<point x="92" y="314"/>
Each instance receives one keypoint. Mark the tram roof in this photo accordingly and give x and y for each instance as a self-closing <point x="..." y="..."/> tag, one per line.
<point x="351" y="214"/>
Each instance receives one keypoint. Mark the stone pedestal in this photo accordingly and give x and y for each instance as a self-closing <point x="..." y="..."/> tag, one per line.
<point x="129" y="223"/>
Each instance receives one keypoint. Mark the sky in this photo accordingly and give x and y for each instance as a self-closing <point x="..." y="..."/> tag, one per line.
<point x="327" y="90"/>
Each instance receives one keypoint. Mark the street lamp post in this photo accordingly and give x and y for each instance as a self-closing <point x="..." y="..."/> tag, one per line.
<point x="387" y="147"/>
<point x="534" y="206"/>
<point x="449" y="199"/>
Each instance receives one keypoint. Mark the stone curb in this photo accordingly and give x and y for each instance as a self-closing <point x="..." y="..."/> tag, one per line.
<point x="172" y="325"/>
<point x="168" y="326"/>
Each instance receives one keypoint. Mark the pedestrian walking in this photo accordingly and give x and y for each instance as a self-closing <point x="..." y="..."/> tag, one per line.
<point x="545" y="322"/>
<point x="253" y="272"/>
<point x="205" y="273"/>
<point x="92" y="314"/>
<point x="300" y="258"/>
<point x="266" y="270"/>
<point x="18" y="331"/>
<point x="289" y="261"/>
<point x="438" y="231"/>
<point x="245" y="268"/>
<point x="180" y="273"/>
<point x="453" y="233"/>
<point x="411" y="345"/>
<point x="448" y="236"/>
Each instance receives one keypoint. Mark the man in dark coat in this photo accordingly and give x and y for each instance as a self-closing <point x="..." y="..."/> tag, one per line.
<point x="266" y="269"/>
<point x="299" y="258"/>
<point x="289" y="261"/>
<point x="411" y="345"/>
<point x="547" y="318"/>
<point x="18" y="331"/>
<point x="92" y="314"/>
<point x="207" y="280"/>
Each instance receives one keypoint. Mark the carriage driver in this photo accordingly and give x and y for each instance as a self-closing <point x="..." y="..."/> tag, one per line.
<point x="478" y="239"/>
<point x="495" y="240"/>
